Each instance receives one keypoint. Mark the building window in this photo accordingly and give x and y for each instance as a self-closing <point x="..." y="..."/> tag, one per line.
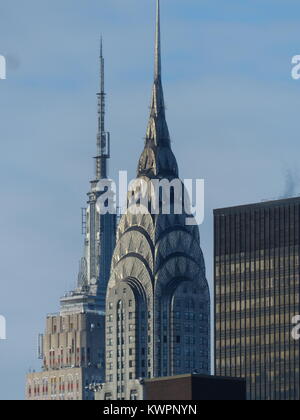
<point x="177" y="363"/>
<point x="133" y="395"/>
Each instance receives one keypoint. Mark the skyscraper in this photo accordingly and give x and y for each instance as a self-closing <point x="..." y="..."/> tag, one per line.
<point x="73" y="345"/>
<point x="257" y="296"/>
<point x="99" y="228"/>
<point x="158" y="304"/>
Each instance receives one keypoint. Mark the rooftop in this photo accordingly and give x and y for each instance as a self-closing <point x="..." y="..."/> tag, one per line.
<point x="262" y="204"/>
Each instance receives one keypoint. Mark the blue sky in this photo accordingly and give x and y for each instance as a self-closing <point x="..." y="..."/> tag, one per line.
<point x="232" y="109"/>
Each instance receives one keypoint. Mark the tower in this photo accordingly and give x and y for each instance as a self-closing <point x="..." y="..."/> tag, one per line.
<point x="257" y="295"/>
<point x="99" y="229"/>
<point x="73" y="345"/>
<point x="158" y="303"/>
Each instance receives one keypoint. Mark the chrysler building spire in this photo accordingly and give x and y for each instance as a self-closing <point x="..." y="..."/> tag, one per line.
<point x="157" y="43"/>
<point x="157" y="159"/>
<point x="157" y="105"/>
<point x="157" y="302"/>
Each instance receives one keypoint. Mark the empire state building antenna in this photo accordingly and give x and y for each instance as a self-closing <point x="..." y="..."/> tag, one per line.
<point x="103" y="137"/>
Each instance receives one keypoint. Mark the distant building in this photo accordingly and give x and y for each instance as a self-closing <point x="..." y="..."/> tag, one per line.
<point x="257" y="295"/>
<point x="72" y="351"/>
<point x="73" y="345"/>
<point x="191" y="387"/>
<point x="158" y="302"/>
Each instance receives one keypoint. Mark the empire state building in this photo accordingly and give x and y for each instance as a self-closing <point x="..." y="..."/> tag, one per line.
<point x="72" y="347"/>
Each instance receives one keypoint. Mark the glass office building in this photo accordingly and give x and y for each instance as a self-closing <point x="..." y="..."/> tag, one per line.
<point x="256" y="259"/>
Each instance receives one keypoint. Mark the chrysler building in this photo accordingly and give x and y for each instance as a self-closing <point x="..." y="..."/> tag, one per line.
<point x="73" y="345"/>
<point x="158" y="302"/>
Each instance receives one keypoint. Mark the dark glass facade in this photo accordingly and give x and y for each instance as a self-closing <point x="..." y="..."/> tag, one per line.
<point x="256" y="261"/>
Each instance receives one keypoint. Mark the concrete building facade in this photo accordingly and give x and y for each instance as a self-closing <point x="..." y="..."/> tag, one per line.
<point x="72" y="353"/>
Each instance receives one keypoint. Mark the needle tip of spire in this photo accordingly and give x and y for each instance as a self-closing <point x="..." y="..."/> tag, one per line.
<point x="101" y="46"/>
<point x="157" y="42"/>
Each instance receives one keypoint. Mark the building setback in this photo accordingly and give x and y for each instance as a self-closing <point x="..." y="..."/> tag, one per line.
<point x="73" y="345"/>
<point x="256" y="259"/>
